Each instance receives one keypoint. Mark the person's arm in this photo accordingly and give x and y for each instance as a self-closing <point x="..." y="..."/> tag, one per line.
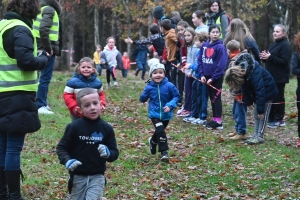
<point x="296" y="64"/>
<point x="175" y="96"/>
<point x="224" y="25"/>
<point x="70" y="98"/>
<point x="252" y="48"/>
<point x="45" y="25"/>
<point x="148" y="40"/>
<point x="258" y="85"/>
<point x="64" y="146"/>
<point x="102" y="96"/>
<point x="145" y="95"/>
<point x="23" y="50"/>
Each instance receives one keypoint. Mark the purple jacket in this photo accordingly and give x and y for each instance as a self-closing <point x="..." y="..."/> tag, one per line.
<point x="213" y="59"/>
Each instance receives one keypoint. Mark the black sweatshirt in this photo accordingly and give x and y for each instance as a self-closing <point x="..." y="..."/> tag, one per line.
<point x="81" y="140"/>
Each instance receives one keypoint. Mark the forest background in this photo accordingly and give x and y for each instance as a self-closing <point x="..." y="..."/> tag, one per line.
<point x="89" y="22"/>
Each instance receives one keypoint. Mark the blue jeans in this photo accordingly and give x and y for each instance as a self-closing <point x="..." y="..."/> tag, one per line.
<point x="99" y="69"/>
<point x="239" y="112"/>
<point x="10" y="150"/>
<point x="199" y="100"/>
<point x="124" y="73"/>
<point x="45" y="78"/>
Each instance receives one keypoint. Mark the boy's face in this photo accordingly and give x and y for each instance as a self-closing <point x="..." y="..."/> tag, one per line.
<point x="162" y="30"/>
<point x="86" y="69"/>
<point x="198" y="43"/>
<point x="111" y="43"/>
<point x="158" y="75"/>
<point x="125" y="55"/>
<point x="98" y="49"/>
<point x="90" y="106"/>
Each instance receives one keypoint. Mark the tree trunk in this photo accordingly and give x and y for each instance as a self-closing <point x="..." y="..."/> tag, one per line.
<point x="68" y="22"/>
<point x="96" y="26"/>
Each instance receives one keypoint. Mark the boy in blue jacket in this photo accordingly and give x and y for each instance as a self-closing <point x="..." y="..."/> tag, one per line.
<point x="163" y="97"/>
<point x="258" y="88"/>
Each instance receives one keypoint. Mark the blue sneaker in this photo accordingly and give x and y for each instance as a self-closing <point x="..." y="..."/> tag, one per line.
<point x="189" y="119"/>
<point x="273" y="125"/>
<point x="199" y="121"/>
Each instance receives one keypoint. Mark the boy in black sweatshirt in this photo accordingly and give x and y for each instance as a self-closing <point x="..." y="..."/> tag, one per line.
<point x="86" y="146"/>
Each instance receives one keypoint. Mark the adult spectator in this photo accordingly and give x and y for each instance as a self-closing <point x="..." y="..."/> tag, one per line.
<point x="239" y="31"/>
<point x="217" y="16"/>
<point x="18" y="86"/>
<point x="47" y="30"/>
<point x="277" y="59"/>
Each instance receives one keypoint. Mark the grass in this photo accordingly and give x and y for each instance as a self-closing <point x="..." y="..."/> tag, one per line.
<point x="204" y="164"/>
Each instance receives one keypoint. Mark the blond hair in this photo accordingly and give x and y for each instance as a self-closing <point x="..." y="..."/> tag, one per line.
<point x="85" y="59"/>
<point x="83" y="92"/>
<point x="233" y="45"/>
<point x="234" y="77"/>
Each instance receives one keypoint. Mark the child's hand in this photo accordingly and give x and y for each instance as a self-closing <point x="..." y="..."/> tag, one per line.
<point x="72" y="164"/>
<point x="128" y="40"/>
<point x="209" y="82"/>
<point x="104" y="151"/>
<point x="166" y="109"/>
<point x="102" y="108"/>
<point x="260" y="116"/>
<point x="203" y="79"/>
<point x="187" y="66"/>
<point x="250" y="107"/>
<point x="76" y="110"/>
<point x="163" y="61"/>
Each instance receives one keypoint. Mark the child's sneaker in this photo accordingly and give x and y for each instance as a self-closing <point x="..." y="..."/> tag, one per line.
<point x="115" y="83"/>
<point x="214" y="125"/>
<point x="255" y="140"/>
<point x="44" y="110"/>
<point x="199" y="121"/>
<point x="164" y="156"/>
<point x="273" y="125"/>
<point x="280" y="123"/>
<point x="107" y="85"/>
<point x="152" y="146"/>
<point x="298" y="144"/>
<point x="189" y="119"/>
<point x="180" y="110"/>
<point x="184" y="113"/>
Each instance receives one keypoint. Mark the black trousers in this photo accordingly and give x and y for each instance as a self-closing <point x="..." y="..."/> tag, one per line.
<point x="216" y="101"/>
<point x="159" y="137"/>
<point x="298" y="107"/>
<point x="278" y="110"/>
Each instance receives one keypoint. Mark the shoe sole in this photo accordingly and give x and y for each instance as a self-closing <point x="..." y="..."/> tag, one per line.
<point x="149" y="140"/>
<point x="272" y="126"/>
<point x="217" y="128"/>
<point x="164" y="159"/>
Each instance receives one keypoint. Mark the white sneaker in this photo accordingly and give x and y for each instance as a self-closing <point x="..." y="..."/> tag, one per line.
<point x="48" y="108"/>
<point x="107" y="86"/>
<point x="44" y="110"/>
<point x="115" y="83"/>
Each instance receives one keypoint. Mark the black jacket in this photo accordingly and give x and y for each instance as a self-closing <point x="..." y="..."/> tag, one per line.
<point x="81" y="140"/>
<point x="47" y="15"/>
<point x="278" y="64"/>
<point x="18" y="109"/>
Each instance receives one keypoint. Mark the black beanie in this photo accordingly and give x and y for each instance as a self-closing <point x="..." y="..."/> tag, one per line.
<point x="158" y="12"/>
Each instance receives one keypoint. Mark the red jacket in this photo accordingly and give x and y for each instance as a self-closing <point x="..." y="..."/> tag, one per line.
<point x="126" y="62"/>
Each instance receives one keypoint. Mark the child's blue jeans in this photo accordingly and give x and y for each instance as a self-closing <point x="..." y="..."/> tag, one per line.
<point x="239" y="112"/>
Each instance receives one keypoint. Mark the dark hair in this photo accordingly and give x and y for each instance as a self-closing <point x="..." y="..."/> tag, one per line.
<point x="83" y="92"/>
<point x="166" y="24"/>
<point x="154" y="29"/>
<point x="212" y="27"/>
<point x="26" y="8"/>
<point x="175" y="13"/>
<point x="176" y="19"/>
<point x="214" y="1"/>
<point x="200" y="14"/>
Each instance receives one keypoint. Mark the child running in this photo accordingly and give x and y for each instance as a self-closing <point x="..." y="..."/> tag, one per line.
<point x="258" y="88"/>
<point x="239" y="109"/>
<point x="163" y="97"/>
<point x="111" y="57"/>
<point x="126" y="64"/>
<point x="212" y="65"/>
<point x="87" y="144"/>
<point x="85" y="75"/>
<point x="97" y="60"/>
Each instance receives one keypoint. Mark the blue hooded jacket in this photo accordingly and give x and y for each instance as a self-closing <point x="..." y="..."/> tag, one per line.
<point x="160" y="94"/>
<point x="78" y="81"/>
<point x="213" y="59"/>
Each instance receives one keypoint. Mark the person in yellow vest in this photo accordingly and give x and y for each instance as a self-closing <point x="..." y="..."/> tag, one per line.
<point x="96" y="59"/>
<point x="47" y="30"/>
<point x="18" y="86"/>
<point x="217" y="16"/>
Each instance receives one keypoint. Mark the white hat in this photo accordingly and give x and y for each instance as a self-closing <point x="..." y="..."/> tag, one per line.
<point x="155" y="64"/>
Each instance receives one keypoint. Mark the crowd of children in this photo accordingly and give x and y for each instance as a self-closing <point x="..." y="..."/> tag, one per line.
<point x="188" y="68"/>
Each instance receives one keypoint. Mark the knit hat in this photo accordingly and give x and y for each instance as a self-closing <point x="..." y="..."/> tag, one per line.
<point x="154" y="64"/>
<point x="158" y="12"/>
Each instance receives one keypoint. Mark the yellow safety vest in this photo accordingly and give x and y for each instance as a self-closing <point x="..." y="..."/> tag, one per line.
<point x="218" y="22"/>
<point x="12" y="78"/>
<point x="54" y="29"/>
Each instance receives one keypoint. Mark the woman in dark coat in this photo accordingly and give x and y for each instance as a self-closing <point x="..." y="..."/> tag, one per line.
<point x="18" y="86"/>
<point x="277" y="59"/>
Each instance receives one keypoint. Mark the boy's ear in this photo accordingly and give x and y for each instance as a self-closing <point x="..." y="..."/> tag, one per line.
<point x="79" y="110"/>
